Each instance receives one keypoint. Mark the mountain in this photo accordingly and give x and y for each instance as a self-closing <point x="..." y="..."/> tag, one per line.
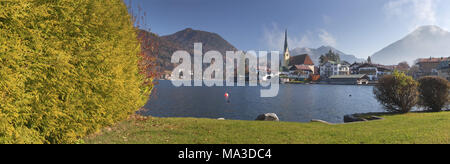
<point x="424" y="42"/>
<point x="211" y="41"/>
<point x="316" y="53"/>
<point x="183" y="40"/>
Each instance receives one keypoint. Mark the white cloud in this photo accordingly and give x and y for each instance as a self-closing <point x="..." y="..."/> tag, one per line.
<point x="417" y="12"/>
<point x="273" y="38"/>
<point x="327" y="39"/>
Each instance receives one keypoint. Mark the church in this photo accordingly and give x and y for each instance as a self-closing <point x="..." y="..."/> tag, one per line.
<point x="298" y="67"/>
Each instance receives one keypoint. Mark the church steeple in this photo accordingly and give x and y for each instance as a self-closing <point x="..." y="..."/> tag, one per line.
<point x="287" y="56"/>
<point x="286" y="48"/>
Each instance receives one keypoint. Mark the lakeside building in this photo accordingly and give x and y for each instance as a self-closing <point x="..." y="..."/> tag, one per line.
<point x="428" y="66"/>
<point x="354" y="68"/>
<point x="301" y="67"/>
<point x="443" y="69"/>
<point x="357" y="79"/>
<point x="374" y="71"/>
<point x="332" y="68"/>
<point x="302" y="60"/>
<point x="300" y="72"/>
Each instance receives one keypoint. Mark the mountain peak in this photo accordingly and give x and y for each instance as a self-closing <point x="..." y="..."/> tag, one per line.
<point x="429" y="30"/>
<point x="430" y="27"/>
<point x="187" y="30"/>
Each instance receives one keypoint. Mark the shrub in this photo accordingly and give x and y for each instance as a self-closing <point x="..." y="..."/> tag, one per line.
<point x="433" y="93"/>
<point x="67" y="68"/>
<point x="397" y="92"/>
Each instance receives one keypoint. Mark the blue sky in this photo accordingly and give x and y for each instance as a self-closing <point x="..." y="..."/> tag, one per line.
<point x="359" y="27"/>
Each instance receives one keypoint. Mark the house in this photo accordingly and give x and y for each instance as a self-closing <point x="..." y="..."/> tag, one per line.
<point x="302" y="60"/>
<point x="344" y="69"/>
<point x="358" y="79"/>
<point x="354" y="68"/>
<point x="374" y="71"/>
<point x="300" y="72"/>
<point x="428" y="66"/>
<point x="443" y="69"/>
<point x="331" y="68"/>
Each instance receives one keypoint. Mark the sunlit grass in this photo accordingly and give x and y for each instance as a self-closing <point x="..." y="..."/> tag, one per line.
<point x="415" y="128"/>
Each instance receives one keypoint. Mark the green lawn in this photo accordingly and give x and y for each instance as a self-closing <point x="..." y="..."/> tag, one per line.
<point x="407" y="128"/>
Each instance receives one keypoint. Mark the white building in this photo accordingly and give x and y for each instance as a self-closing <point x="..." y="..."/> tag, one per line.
<point x="373" y="71"/>
<point x="332" y="68"/>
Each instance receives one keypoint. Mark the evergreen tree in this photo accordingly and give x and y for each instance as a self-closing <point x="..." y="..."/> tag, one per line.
<point x="68" y="68"/>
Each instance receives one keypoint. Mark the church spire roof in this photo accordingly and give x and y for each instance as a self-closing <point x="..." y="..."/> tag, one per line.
<point x="286" y="48"/>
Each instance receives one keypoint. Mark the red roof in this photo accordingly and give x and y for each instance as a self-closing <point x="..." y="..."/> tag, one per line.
<point x="301" y="60"/>
<point x="303" y="67"/>
<point x="432" y="60"/>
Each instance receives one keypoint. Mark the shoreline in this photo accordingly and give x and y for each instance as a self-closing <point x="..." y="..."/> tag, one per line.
<point x="303" y="83"/>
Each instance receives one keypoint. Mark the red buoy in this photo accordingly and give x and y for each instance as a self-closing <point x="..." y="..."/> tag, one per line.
<point x="227" y="97"/>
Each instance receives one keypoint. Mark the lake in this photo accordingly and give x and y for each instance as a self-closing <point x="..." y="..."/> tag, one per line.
<point x="294" y="103"/>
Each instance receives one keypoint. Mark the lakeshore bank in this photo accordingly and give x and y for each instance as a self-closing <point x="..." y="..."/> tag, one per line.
<point x="411" y="128"/>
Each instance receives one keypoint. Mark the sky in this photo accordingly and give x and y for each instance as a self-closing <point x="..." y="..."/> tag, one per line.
<point x="358" y="27"/>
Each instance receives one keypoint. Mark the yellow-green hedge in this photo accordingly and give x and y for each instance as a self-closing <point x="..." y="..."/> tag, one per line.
<point x="67" y="68"/>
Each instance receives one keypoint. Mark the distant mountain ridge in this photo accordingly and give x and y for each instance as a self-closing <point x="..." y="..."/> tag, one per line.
<point x="184" y="40"/>
<point x="424" y="42"/>
<point x="316" y="53"/>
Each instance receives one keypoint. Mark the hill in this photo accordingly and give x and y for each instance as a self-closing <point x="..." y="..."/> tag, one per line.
<point x="184" y="40"/>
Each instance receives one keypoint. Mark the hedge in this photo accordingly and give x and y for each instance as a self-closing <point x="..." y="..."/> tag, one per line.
<point x="67" y="68"/>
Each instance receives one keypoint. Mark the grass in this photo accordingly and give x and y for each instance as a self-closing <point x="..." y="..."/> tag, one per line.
<point x="412" y="128"/>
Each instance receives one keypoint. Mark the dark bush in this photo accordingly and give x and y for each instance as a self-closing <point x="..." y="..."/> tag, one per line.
<point x="67" y="68"/>
<point x="397" y="92"/>
<point x="433" y="93"/>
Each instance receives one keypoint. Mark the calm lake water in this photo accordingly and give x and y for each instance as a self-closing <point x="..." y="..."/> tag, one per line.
<point x="295" y="103"/>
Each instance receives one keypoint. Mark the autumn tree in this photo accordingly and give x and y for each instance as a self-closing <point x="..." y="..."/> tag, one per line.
<point x="433" y="93"/>
<point x="68" y="68"/>
<point x="397" y="92"/>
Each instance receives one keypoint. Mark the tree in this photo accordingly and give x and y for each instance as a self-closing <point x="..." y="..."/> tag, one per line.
<point x="369" y="60"/>
<point x="403" y="66"/>
<point x="68" y="68"/>
<point x="330" y="56"/>
<point x="323" y="59"/>
<point x="397" y="92"/>
<point x="433" y="93"/>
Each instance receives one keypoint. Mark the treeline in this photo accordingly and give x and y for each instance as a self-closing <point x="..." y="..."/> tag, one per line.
<point x="67" y="68"/>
